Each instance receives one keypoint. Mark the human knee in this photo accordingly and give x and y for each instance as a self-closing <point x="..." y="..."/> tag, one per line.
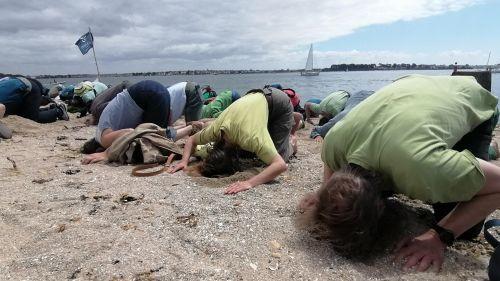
<point x="2" y="110"/>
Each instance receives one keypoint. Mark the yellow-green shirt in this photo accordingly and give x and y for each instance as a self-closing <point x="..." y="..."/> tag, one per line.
<point x="244" y="123"/>
<point x="406" y="131"/>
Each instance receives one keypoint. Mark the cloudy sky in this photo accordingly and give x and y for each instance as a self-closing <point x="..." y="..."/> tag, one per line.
<point x="38" y="36"/>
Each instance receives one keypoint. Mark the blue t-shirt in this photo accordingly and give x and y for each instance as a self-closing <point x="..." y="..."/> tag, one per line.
<point x="11" y="91"/>
<point x="121" y="113"/>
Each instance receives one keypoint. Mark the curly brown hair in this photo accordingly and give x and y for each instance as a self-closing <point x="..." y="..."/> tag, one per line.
<point x="222" y="159"/>
<point x="346" y="210"/>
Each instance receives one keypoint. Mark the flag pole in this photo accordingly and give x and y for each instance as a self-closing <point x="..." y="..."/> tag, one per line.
<point x="93" y="51"/>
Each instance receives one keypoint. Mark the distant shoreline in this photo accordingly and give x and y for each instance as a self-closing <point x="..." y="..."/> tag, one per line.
<point x="333" y="68"/>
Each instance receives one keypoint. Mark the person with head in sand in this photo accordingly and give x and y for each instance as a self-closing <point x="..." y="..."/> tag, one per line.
<point x="22" y="96"/>
<point x="144" y="102"/>
<point x="261" y="122"/>
<point x="328" y="108"/>
<point x="422" y="136"/>
<point x="219" y="104"/>
<point x="319" y="132"/>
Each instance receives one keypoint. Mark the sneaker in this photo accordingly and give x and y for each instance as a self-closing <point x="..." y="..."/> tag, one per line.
<point x="64" y="111"/>
<point x="5" y="132"/>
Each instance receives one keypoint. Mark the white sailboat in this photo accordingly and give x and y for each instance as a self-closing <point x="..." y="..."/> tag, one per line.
<point x="309" y="71"/>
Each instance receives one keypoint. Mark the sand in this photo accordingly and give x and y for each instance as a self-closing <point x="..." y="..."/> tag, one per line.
<point x="63" y="220"/>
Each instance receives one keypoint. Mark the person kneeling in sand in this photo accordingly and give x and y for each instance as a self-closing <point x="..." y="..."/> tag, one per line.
<point x="328" y="108"/>
<point x="422" y="136"/>
<point x="145" y="102"/>
<point x="261" y="122"/>
<point x="23" y="96"/>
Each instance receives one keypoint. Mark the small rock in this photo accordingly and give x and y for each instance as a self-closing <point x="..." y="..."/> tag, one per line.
<point x="253" y="266"/>
<point x="61" y="138"/>
<point x="125" y="198"/>
<point x="276" y="255"/>
<point x="61" y="228"/>
<point x="72" y="171"/>
<point x="275" y="245"/>
<point x="275" y="267"/>
<point x="42" y="181"/>
<point x="191" y="220"/>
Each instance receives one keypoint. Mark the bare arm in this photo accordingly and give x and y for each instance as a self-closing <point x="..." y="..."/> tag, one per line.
<point x="276" y="167"/>
<point x="307" y="108"/>
<point x="327" y="173"/>
<point x="186" y="154"/>
<point x="427" y="249"/>
<point x="487" y="200"/>
<point x="109" y="136"/>
<point x="297" y="117"/>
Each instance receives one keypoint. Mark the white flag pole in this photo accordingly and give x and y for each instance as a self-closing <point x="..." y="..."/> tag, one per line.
<point x="93" y="51"/>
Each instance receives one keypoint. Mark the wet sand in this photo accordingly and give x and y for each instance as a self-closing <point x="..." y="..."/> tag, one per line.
<point x="63" y="220"/>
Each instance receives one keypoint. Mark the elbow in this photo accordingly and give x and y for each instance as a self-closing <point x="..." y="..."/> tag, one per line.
<point x="282" y="166"/>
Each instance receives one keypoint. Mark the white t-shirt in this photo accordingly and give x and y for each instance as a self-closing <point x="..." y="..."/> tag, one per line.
<point x="177" y="101"/>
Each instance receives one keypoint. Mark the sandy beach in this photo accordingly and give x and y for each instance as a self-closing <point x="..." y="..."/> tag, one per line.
<point x="63" y="220"/>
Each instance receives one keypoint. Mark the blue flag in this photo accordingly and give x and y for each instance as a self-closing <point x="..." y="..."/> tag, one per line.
<point x="85" y="43"/>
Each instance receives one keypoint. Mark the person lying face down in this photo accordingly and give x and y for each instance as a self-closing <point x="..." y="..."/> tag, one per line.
<point x="422" y="136"/>
<point x="261" y="122"/>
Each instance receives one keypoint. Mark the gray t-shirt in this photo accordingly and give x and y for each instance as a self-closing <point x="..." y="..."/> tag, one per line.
<point x="121" y="113"/>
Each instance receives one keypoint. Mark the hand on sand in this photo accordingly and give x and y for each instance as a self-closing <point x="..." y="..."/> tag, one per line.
<point x="179" y="166"/>
<point x="421" y="252"/>
<point x="238" y="187"/>
<point x="309" y="201"/>
<point x="318" y="139"/>
<point x="95" y="157"/>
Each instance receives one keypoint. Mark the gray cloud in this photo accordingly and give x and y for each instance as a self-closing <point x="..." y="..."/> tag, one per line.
<point x="149" y="35"/>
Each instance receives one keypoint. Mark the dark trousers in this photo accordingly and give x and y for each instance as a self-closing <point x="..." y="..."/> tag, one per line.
<point x="154" y="99"/>
<point x="477" y="142"/>
<point x="194" y="104"/>
<point x="280" y="121"/>
<point x="30" y="106"/>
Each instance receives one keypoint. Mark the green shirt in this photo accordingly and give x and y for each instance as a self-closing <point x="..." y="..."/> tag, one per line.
<point x="215" y="108"/>
<point x="244" y="123"/>
<point x="406" y="131"/>
<point x="332" y="104"/>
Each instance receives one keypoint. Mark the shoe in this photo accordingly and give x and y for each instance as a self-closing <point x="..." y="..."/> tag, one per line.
<point x="494" y="265"/>
<point x="5" y="132"/>
<point x="64" y="111"/>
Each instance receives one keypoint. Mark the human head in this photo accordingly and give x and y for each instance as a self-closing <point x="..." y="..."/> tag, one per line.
<point x="235" y="96"/>
<point x="222" y="159"/>
<point x="346" y="210"/>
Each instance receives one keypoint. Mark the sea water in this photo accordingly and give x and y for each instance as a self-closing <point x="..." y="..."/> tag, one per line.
<point x="307" y="86"/>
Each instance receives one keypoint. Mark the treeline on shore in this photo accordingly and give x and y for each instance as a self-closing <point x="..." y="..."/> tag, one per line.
<point x="333" y="67"/>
